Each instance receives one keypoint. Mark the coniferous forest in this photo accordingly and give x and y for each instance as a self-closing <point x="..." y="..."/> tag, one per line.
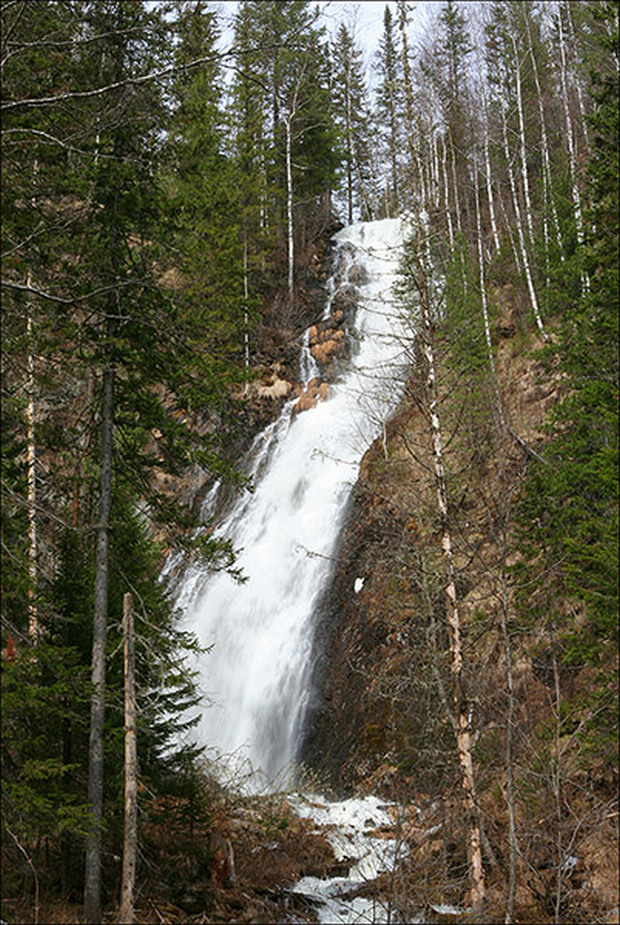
<point x="170" y="186"/>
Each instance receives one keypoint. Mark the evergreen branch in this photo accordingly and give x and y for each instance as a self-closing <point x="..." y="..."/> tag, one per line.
<point x="117" y="85"/>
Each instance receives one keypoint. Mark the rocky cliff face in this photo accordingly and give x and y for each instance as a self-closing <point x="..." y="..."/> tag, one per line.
<point x="373" y="633"/>
<point x="380" y="716"/>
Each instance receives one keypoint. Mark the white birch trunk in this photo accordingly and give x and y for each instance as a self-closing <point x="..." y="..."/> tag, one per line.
<point x="446" y="194"/>
<point x="487" y="170"/>
<point x="464" y="742"/>
<point x="578" y="87"/>
<point x="485" y="309"/>
<point x="289" y="208"/>
<point x="522" y="146"/>
<point x="519" y="223"/>
<point x="575" y="192"/>
<point x="511" y="237"/>
<point x="246" y="333"/>
<point x="547" y="189"/>
<point x="487" y="156"/>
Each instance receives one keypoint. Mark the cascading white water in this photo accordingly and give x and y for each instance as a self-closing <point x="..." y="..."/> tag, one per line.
<point x="304" y="466"/>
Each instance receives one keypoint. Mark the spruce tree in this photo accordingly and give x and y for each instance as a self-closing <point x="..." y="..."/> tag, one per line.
<point x="351" y="114"/>
<point x="388" y="107"/>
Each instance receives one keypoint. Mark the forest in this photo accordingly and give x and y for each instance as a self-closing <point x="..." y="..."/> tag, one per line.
<point x="171" y="187"/>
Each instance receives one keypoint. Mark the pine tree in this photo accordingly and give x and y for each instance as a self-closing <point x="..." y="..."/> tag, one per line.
<point x="352" y="116"/>
<point x="118" y="374"/>
<point x="388" y="106"/>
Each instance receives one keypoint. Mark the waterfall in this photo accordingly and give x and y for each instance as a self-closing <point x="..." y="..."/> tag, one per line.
<point x="256" y="674"/>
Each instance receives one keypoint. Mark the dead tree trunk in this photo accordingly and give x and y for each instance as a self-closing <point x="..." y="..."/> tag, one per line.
<point x="92" y="875"/>
<point x="131" y="769"/>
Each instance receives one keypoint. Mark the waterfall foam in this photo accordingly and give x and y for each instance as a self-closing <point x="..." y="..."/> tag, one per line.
<point x="261" y="632"/>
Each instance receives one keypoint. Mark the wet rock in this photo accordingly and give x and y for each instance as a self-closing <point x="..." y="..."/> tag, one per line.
<point x="280" y="388"/>
<point x="314" y="392"/>
<point x="345" y="301"/>
<point x="358" y="275"/>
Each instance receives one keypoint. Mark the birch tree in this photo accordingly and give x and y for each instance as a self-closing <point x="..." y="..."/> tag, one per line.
<point x="549" y="197"/>
<point x="499" y="63"/>
<point x="483" y="297"/>
<point x="570" y="137"/>
<point x="417" y="273"/>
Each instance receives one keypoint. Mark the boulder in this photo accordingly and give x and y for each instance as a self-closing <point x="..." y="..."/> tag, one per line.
<point x="311" y="395"/>
<point x="358" y="275"/>
<point x="305" y="402"/>
<point x="279" y="389"/>
<point x="328" y="348"/>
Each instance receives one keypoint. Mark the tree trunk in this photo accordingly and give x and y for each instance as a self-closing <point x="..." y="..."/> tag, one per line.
<point x="131" y="769"/>
<point x="349" y="130"/>
<point x="522" y="145"/>
<point x="446" y="194"/>
<point x="457" y="204"/>
<point x="483" y="299"/>
<point x="92" y="876"/>
<point x="575" y="192"/>
<point x="572" y="155"/>
<point x="33" y="620"/>
<point x="578" y="88"/>
<point x="414" y="156"/>
<point x="434" y="159"/>
<point x="510" y="784"/>
<point x="545" y="146"/>
<point x="519" y="223"/>
<point x="461" y="706"/>
<point x="487" y="157"/>
<point x="289" y="208"/>
<point x="246" y="332"/>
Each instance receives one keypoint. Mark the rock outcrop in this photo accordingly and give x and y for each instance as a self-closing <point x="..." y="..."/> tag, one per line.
<point x="314" y="392"/>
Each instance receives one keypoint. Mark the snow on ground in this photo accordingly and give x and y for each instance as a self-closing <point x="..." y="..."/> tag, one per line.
<point x="360" y="831"/>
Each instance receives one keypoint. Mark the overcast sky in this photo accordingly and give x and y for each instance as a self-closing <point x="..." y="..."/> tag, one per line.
<point x="364" y="18"/>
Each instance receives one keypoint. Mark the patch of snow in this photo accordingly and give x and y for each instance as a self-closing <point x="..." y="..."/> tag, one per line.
<point x="350" y="826"/>
<point x="445" y="909"/>
<point x="359" y="584"/>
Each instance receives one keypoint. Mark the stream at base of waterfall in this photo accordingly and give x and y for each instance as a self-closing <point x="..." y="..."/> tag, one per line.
<point x="260" y="633"/>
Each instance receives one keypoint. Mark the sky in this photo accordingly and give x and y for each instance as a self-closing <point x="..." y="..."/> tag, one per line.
<point x="364" y="18"/>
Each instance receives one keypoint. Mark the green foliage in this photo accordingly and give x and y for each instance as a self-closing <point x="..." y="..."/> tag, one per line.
<point x="568" y="514"/>
<point x="351" y="115"/>
<point x="44" y="718"/>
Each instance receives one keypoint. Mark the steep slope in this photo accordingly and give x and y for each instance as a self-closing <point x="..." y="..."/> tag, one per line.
<point x="381" y="719"/>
